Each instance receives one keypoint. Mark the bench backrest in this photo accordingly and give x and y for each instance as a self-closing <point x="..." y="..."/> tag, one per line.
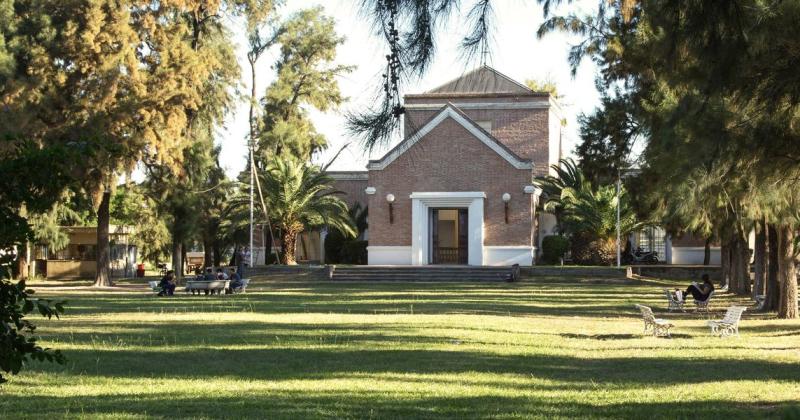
<point x="669" y="295"/>
<point x="647" y="313"/>
<point x="733" y="315"/>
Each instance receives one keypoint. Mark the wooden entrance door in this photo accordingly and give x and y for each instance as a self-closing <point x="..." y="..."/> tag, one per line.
<point x="448" y="236"/>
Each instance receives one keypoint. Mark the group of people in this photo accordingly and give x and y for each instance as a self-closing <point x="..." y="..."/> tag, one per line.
<point x="167" y="283"/>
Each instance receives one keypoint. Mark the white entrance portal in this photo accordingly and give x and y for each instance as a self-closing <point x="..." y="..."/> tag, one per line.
<point x="422" y="202"/>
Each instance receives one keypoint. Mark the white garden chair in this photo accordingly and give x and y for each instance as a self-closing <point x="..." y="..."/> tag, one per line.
<point x="675" y="302"/>
<point x="702" y="305"/>
<point x="729" y="325"/>
<point x="659" y="327"/>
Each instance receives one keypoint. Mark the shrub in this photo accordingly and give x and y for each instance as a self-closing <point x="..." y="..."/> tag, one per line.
<point x="553" y="248"/>
<point x="354" y="252"/>
<point x="590" y="250"/>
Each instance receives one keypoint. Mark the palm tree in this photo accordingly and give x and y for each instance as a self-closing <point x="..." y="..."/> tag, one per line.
<point x="567" y="176"/>
<point x="300" y="197"/>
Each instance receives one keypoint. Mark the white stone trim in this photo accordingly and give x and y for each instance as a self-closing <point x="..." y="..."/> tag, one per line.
<point x="508" y="255"/>
<point x="448" y="112"/>
<point x="348" y="176"/>
<point x="388" y="255"/>
<point x="448" y="194"/>
<point x="544" y="103"/>
<point x="422" y="201"/>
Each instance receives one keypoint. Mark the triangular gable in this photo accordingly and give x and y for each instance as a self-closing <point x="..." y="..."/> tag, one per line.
<point x="450" y="111"/>
<point x="482" y="80"/>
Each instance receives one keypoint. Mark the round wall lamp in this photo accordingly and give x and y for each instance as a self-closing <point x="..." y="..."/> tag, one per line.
<point x="390" y="200"/>
<point x="506" y="198"/>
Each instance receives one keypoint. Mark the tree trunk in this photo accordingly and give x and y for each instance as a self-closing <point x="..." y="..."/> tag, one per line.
<point x="289" y="245"/>
<point x="22" y="261"/>
<point x="760" y="256"/>
<point x="208" y="253"/>
<point x="787" y="276"/>
<point x="103" y="250"/>
<point x="217" y="254"/>
<point x="707" y="252"/>
<point x="725" y="263"/>
<point x="177" y="257"/>
<point x="773" y="292"/>
<point x="741" y="263"/>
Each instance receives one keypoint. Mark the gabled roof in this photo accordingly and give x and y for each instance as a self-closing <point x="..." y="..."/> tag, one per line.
<point x="451" y="111"/>
<point x="482" y="80"/>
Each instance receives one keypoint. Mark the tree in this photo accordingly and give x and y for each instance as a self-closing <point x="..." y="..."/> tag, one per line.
<point x="300" y="198"/>
<point x="607" y="137"/>
<point x="567" y="176"/>
<point x="131" y="206"/>
<point x="306" y="78"/>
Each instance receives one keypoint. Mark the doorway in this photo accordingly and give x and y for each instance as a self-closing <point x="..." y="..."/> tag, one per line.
<point x="448" y="236"/>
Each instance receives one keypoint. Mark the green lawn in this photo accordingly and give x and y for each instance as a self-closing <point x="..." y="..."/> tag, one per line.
<point x="544" y="348"/>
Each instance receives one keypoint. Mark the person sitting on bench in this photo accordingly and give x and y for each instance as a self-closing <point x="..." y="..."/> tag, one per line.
<point x="700" y="292"/>
<point x="209" y="274"/>
<point x="167" y="284"/>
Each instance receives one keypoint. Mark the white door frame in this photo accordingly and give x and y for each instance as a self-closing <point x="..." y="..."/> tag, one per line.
<point x="421" y="202"/>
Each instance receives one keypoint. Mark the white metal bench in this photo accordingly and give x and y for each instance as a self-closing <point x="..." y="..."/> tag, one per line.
<point x="242" y="288"/>
<point x="207" y="286"/>
<point x="702" y="305"/>
<point x="659" y="327"/>
<point x="154" y="284"/>
<point x="729" y="325"/>
<point x="675" y="302"/>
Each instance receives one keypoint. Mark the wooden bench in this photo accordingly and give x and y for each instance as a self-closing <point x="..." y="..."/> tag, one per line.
<point x="207" y="286"/>
<point x="660" y="327"/>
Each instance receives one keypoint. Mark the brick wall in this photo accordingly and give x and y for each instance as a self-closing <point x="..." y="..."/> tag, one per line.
<point x="353" y="190"/>
<point x="449" y="158"/>
<point x="525" y="131"/>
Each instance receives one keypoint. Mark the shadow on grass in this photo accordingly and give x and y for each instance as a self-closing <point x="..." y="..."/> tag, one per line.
<point x="303" y="363"/>
<point x="367" y="404"/>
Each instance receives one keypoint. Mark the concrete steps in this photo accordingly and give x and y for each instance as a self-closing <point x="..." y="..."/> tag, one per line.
<point x="421" y="273"/>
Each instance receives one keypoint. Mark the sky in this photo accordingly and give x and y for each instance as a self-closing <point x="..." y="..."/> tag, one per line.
<point x="516" y="52"/>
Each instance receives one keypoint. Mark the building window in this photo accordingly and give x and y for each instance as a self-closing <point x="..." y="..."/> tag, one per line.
<point x="652" y="239"/>
<point x="486" y="125"/>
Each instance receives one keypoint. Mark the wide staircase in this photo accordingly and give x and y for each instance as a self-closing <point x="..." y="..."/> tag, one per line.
<point x="455" y="273"/>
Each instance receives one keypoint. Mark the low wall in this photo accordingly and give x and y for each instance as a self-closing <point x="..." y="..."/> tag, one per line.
<point x="678" y="272"/>
<point x="573" y="271"/>
<point x="305" y="272"/>
<point x="70" y="269"/>
<point x="693" y="255"/>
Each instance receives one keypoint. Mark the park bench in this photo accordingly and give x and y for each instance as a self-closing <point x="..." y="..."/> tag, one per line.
<point x="242" y="288"/>
<point x="675" y="301"/>
<point x="154" y="284"/>
<point x="207" y="286"/>
<point x="660" y="327"/>
<point x="702" y="305"/>
<point x="729" y="325"/>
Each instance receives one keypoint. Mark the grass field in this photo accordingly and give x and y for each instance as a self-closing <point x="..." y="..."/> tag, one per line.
<point x="549" y="348"/>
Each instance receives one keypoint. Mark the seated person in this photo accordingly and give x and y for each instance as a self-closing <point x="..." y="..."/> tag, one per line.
<point x="221" y="275"/>
<point x="700" y="291"/>
<point x="167" y="284"/>
<point x="236" y="281"/>
<point x="209" y="274"/>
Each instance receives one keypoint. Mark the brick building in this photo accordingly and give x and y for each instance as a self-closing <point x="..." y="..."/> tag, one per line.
<point x="458" y="189"/>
